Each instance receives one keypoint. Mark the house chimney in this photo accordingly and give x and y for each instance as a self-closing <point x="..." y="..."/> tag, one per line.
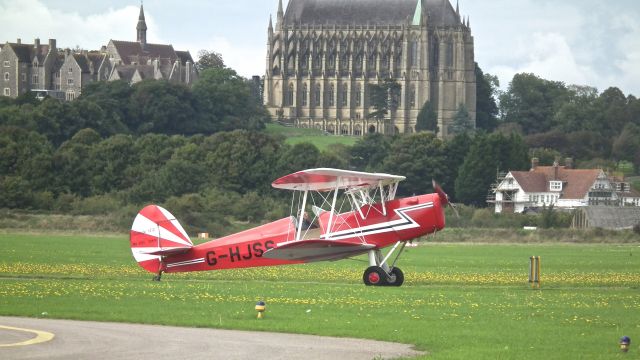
<point x="36" y="43"/>
<point x="555" y="170"/>
<point x="19" y="41"/>
<point x="568" y="163"/>
<point x="52" y="46"/>
<point x="534" y="163"/>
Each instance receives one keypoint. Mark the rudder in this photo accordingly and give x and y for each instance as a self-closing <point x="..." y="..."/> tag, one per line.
<point x="156" y="233"/>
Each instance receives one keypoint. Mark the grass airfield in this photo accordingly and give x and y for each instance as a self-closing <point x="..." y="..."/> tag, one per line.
<point x="459" y="301"/>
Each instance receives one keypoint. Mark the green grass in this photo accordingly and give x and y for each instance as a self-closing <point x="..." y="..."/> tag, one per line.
<point x="314" y="136"/>
<point x="460" y="301"/>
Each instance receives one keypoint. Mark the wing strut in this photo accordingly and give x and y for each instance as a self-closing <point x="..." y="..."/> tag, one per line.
<point x="301" y="217"/>
<point x="333" y="206"/>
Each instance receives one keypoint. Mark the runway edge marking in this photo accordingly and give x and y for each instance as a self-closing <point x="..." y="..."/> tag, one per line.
<point x="41" y="336"/>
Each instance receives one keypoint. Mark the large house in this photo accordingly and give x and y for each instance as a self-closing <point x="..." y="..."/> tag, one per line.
<point x="47" y="70"/>
<point x="27" y="67"/>
<point x="322" y="56"/>
<point x="560" y="186"/>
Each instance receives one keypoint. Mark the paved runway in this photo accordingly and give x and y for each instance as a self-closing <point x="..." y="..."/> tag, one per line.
<point x="95" y="340"/>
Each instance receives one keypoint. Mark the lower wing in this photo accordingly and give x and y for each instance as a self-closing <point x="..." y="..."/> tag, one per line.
<point x="316" y="250"/>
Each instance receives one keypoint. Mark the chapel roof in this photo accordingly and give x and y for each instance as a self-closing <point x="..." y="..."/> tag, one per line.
<point x="367" y="12"/>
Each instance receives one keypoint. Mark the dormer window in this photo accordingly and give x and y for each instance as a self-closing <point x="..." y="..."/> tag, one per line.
<point x="555" y="185"/>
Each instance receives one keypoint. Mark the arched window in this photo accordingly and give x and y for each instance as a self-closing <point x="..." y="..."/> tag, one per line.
<point x="290" y="95"/>
<point x="358" y="94"/>
<point x="450" y="54"/>
<point x="345" y="94"/>
<point x="331" y="101"/>
<point x="412" y="96"/>
<point x="344" y="129"/>
<point x="317" y="96"/>
<point x="372" y="129"/>
<point x="357" y="130"/>
<point x="413" y="53"/>
<point x="304" y="95"/>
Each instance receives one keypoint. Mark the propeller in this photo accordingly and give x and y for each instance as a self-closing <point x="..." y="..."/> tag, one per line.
<point x="444" y="198"/>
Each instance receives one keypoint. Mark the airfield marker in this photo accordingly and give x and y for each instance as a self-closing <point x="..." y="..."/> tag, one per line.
<point x="260" y="308"/>
<point x="534" y="271"/>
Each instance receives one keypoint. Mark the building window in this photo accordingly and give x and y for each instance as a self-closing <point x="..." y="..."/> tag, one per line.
<point x="413" y="53"/>
<point x="24" y="77"/>
<point x="70" y="70"/>
<point x="555" y="186"/>
<point x="450" y="54"/>
<point x="331" y="95"/>
<point x="7" y="92"/>
<point x="71" y="95"/>
<point x="317" y="96"/>
<point x="412" y="97"/>
<point x="345" y="95"/>
<point x="69" y="81"/>
<point x="34" y="79"/>
<point x="304" y="95"/>
<point x="290" y="95"/>
<point x="358" y="96"/>
<point x="6" y="63"/>
<point x="6" y="76"/>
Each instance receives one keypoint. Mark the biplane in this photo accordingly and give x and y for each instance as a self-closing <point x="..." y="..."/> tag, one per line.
<point x="335" y="214"/>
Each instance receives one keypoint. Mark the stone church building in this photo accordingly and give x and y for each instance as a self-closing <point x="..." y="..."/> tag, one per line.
<point x="323" y="54"/>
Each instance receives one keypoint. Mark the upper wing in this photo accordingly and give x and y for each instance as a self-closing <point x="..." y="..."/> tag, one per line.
<point x="316" y="250"/>
<point x="325" y="179"/>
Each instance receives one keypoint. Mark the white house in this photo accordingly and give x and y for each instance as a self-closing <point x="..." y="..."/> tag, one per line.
<point x="560" y="186"/>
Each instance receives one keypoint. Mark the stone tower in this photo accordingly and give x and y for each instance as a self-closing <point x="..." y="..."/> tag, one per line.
<point x="323" y="54"/>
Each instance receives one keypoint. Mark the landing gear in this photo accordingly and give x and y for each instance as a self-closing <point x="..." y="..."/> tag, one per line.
<point x="396" y="277"/>
<point x="374" y="276"/>
<point x="157" y="277"/>
<point x="379" y="273"/>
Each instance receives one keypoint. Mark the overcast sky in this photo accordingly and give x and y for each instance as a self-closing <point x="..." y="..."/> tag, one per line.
<point x="585" y="42"/>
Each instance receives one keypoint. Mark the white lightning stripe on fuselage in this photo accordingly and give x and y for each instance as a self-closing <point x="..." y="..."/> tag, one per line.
<point x="188" y="262"/>
<point x="405" y="222"/>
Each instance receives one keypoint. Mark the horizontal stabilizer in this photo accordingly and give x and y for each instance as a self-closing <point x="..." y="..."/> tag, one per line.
<point x="164" y="252"/>
<point x="316" y="250"/>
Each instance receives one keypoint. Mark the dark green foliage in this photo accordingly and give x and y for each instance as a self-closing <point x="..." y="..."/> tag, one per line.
<point x="370" y="151"/>
<point x="385" y="97"/>
<point x="225" y="102"/>
<point x="420" y="157"/>
<point x="462" y="121"/>
<point x="487" y="155"/>
<point x="487" y="87"/>
<point x="427" y="118"/>
<point x="531" y="102"/>
<point x="209" y="60"/>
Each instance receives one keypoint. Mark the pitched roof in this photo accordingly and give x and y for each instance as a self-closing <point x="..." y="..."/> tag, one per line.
<point x="131" y="51"/>
<point x="608" y="217"/>
<point x="184" y="56"/>
<point x="22" y="51"/>
<point x="367" y="12"/>
<point x="82" y="62"/>
<point x="576" y="182"/>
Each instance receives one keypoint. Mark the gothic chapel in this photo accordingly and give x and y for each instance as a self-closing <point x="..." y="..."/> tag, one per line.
<point x="323" y="54"/>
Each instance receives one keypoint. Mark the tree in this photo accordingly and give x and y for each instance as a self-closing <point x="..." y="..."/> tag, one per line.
<point x="209" y="60"/>
<point x="385" y="97"/>
<point x="487" y="88"/>
<point x="488" y="154"/>
<point x="420" y="157"/>
<point x="368" y="153"/>
<point x="532" y="102"/>
<point x="225" y="103"/>
<point x="162" y="107"/>
<point x="427" y="118"/>
<point x="627" y="145"/>
<point x="462" y="121"/>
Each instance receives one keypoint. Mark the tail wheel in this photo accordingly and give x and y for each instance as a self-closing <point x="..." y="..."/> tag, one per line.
<point x="396" y="277"/>
<point x="374" y="276"/>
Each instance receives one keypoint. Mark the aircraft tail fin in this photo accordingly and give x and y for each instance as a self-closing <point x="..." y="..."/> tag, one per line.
<point x="156" y="233"/>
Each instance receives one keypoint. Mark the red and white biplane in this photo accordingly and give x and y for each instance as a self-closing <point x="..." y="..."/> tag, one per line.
<point x="372" y="219"/>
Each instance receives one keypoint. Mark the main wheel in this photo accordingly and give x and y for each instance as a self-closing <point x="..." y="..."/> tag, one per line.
<point x="396" y="278"/>
<point x="374" y="276"/>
